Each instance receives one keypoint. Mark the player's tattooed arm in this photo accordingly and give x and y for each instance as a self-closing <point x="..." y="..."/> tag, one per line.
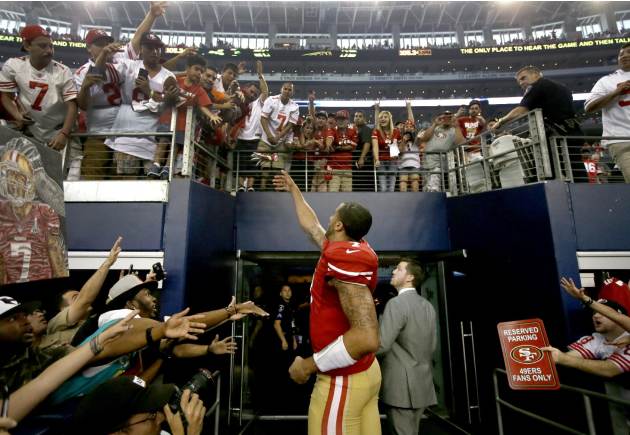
<point x="56" y="255"/>
<point x="357" y="304"/>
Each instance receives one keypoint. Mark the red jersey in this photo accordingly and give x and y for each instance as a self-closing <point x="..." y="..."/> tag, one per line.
<point x="384" y="141"/>
<point x="24" y="244"/>
<point x="353" y="262"/>
<point x="195" y="96"/>
<point x="591" y="170"/>
<point x="470" y="127"/>
<point x="343" y="159"/>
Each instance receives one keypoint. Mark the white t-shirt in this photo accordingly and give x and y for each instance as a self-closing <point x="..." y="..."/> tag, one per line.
<point x="616" y="115"/>
<point x="409" y="155"/>
<point x="252" y="129"/>
<point x="596" y="347"/>
<point x="43" y="93"/>
<point x="129" y="120"/>
<point x="105" y="98"/>
<point x="108" y="316"/>
<point x="278" y="115"/>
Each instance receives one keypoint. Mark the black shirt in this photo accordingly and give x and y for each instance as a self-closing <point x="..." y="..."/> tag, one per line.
<point x="286" y="316"/>
<point x="555" y="100"/>
<point x="365" y="135"/>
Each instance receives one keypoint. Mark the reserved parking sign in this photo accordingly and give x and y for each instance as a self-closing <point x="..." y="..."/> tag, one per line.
<point x="528" y="367"/>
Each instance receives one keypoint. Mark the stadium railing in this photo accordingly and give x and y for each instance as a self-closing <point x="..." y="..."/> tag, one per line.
<point x="587" y="395"/>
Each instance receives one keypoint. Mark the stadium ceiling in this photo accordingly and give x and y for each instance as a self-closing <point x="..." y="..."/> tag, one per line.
<point x="366" y="16"/>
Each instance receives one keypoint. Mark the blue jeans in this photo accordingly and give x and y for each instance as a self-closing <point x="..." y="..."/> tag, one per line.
<point x="387" y="175"/>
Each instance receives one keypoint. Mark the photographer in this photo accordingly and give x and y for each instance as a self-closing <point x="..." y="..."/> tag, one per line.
<point x="126" y="405"/>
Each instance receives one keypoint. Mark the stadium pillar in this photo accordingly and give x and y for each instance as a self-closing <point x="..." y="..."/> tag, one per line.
<point x="75" y="25"/>
<point x="396" y="35"/>
<point x="273" y="29"/>
<point x="116" y="27"/>
<point x="208" y="30"/>
<point x="332" y="31"/>
<point x="608" y="19"/>
<point x="459" y="32"/>
<point x="527" y="29"/>
<point x="487" y="36"/>
<point x="570" y="25"/>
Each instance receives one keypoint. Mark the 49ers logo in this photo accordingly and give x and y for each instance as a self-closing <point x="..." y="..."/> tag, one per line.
<point x="526" y="354"/>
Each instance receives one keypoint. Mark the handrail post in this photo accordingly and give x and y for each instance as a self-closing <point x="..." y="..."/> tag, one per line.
<point x="496" y="402"/>
<point x="188" y="152"/>
<point x="553" y="140"/>
<point x="567" y="159"/>
<point x="589" y="414"/>
<point x="218" y="401"/>
<point x="171" y="153"/>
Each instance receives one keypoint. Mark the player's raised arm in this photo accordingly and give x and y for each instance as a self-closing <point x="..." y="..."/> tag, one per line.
<point x="305" y="214"/>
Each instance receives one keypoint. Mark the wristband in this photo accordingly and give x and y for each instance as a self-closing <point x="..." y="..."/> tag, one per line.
<point x="95" y="347"/>
<point x="150" y="340"/>
<point x="333" y="356"/>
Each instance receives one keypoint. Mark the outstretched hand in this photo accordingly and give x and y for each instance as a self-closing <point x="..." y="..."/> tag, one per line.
<point x="220" y="347"/>
<point x="182" y="326"/>
<point x="283" y="182"/>
<point x="569" y="286"/>
<point x="251" y="308"/>
<point x="115" y="251"/>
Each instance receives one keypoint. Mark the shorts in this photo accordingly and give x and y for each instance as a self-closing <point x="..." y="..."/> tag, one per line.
<point x="411" y="171"/>
<point x="126" y="164"/>
<point x="278" y="153"/>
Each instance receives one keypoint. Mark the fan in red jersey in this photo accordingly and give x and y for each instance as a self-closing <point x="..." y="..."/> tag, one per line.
<point x="344" y="328"/>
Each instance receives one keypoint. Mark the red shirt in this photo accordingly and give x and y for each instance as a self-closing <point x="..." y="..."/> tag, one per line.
<point x="384" y="141"/>
<point x="353" y="262"/>
<point x="591" y="170"/>
<point x="470" y="127"/>
<point x="195" y="96"/>
<point x="24" y="243"/>
<point x="343" y="159"/>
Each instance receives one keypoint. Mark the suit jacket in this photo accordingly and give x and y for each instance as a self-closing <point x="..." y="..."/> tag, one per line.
<point x="408" y="340"/>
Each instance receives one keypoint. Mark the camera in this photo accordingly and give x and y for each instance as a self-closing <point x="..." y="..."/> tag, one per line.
<point x="97" y="71"/>
<point x="158" y="270"/>
<point x="197" y="384"/>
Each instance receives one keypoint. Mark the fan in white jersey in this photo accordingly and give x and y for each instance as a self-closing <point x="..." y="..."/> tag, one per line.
<point x="138" y="91"/>
<point x="250" y="128"/>
<point x="611" y="95"/>
<point x="46" y="93"/>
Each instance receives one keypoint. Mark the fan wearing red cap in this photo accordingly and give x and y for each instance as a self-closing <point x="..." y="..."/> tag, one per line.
<point x="340" y="162"/>
<point x="46" y="93"/>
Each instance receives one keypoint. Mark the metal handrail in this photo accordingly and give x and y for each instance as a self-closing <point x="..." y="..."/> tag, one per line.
<point x="215" y="407"/>
<point x="586" y="395"/>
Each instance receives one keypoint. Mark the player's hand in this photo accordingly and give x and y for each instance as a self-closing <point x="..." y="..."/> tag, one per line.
<point x="143" y="85"/>
<point x="259" y="68"/>
<point x="620" y="342"/>
<point x="302" y="369"/>
<point x="360" y="162"/>
<point x="377" y="163"/>
<point x="58" y="142"/>
<point x="180" y="326"/>
<point x="251" y="308"/>
<point x="284" y="182"/>
<point x="158" y="8"/>
<point x="623" y="87"/>
<point x="5" y="424"/>
<point x="285" y="345"/>
<point x="569" y="286"/>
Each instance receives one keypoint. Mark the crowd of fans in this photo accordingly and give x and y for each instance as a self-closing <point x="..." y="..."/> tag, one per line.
<point x="131" y="88"/>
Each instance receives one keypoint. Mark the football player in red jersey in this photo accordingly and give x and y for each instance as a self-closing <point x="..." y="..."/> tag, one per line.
<point x="344" y="328"/>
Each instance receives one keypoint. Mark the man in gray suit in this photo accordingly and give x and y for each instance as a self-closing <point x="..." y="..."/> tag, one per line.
<point x="408" y="340"/>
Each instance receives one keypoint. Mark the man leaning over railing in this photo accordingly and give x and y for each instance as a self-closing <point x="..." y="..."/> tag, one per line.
<point x="611" y="95"/>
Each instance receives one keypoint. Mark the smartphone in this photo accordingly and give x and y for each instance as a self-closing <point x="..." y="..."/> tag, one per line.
<point x="5" y="400"/>
<point x="98" y="71"/>
<point x="130" y="269"/>
<point x="143" y="73"/>
<point x="158" y="270"/>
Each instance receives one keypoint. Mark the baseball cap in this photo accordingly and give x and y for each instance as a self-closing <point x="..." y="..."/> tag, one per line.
<point x="126" y="288"/>
<point x="9" y="306"/>
<point x="96" y="35"/>
<point x="32" y="31"/>
<point x="342" y="114"/>
<point x="149" y="38"/>
<point x="108" y="407"/>
<point x="614" y="289"/>
<point x="614" y="305"/>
